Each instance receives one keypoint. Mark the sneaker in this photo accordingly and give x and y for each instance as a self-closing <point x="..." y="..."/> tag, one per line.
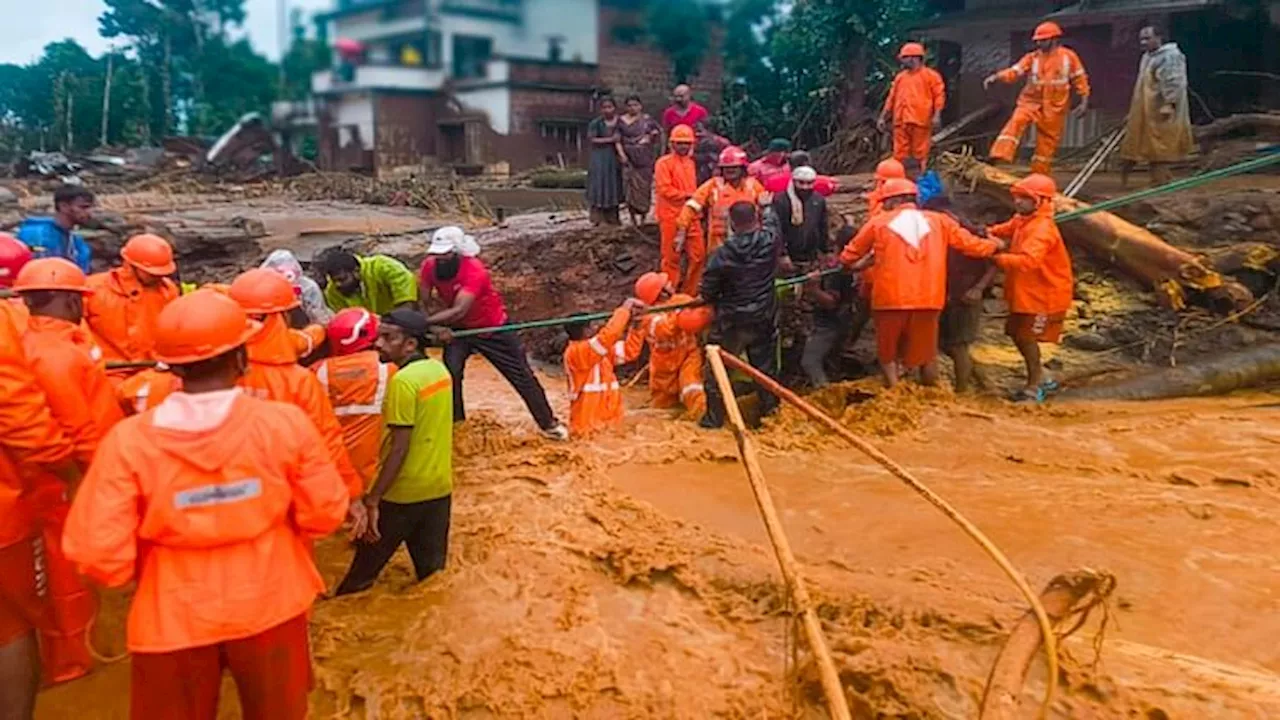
<point x="1050" y="386"/>
<point x="557" y="432"/>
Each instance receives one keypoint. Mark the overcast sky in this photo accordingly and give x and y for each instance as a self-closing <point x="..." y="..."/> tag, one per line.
<point x="31" y="26"/>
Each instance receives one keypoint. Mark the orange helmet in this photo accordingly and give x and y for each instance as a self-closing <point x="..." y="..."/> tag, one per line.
<point x="51" y="274"/>
<point x="682" y="134"/>
<point x="201" y="325"/>
<point x="1047" y="31"/>
<point x="695" y="319"/>
<point x="911" y="49"/>
<point x="733" y="156"/>
<point x="13" y="255"/>
<point x="150" y="254"/>
<point x="890" y="169"/>
<point x="352" y="330"/>
<point x="261" y="291"/>
<point x="1040" y="187"/>
<point x="650" y="286"/>
<point x="897" y="186"/>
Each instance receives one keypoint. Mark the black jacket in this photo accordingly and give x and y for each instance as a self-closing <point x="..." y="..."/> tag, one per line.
<point x="809" y="240"/>
<point x="739" y="277"/>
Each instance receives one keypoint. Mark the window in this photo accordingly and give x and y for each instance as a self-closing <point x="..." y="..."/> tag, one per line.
<point x="470" y="54"/>
<point x="564" y="132"/>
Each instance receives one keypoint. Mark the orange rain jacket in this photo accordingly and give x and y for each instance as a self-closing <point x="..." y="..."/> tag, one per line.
<point x="122" y="315"/>
<point x="675" y="360"/>
<point x="1050" y="77"/>
<point x="595" y="399"/>
<point x="215" y="525"/>
<point x="675" y="180"/>
<point x="915" y="96"/>
<point x="29" y="435"/>
<point x="307" y="340"/>
<point x="357" y="385"/>
<point x="911" y="256"/>
<point x="69" y="367"/>
<point x="1037" y="266"/>
<point x="713" y="200"/>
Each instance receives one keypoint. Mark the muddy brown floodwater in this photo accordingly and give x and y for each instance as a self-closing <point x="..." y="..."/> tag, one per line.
<point x="629" y="577"/>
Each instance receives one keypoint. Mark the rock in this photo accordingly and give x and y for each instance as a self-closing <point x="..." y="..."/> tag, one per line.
<point x="7" y="198"/>
<point x="1090" y="341"/>
<point x="1263" y="222"/>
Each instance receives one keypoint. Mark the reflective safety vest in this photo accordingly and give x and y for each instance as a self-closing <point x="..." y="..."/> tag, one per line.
<point x="357" y="385"/>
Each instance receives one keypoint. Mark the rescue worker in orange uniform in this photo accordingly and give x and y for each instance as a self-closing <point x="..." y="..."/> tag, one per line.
<point x="1051" y="71"/>
<point x="356" y="381"/>
<point x="675" y="358"/>
<point x="886" y="170"/>
<point x="69" y="367"/>
<point x="675" y="180"/>
<point x="910" y="289"/>
<point x="126" y="300"/>
<point x="713" y="200"/>
<point x="1038" y="283"/>
<point x="595" y="398"/>
<point x="914" y="105"/>
<point x="210" y="502"/>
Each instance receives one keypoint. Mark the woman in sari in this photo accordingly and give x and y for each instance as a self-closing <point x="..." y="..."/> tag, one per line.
<point x="604" y="178"/>
<point x="641" y="138"/>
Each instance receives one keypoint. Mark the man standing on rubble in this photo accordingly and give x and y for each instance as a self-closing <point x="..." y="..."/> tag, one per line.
<point x="738" y="283"/>
<point x="125" y="302"/>
<point x="1158" y="131"/>
<point x="462" y="283"/>
<point x="55" y="236"/>
<point x="675" y="179"/>
<point x="914" y="106"/>
<point x="1051" y="72"/>
<point x="377" y="283"/>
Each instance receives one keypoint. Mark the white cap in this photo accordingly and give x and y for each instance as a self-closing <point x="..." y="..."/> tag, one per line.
<point x="447" y="239"/>
<point x="804" y="173"/>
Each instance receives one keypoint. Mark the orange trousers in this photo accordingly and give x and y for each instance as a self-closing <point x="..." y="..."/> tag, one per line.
<point x="1049" y="127"/>
<point x="677" y="380"/>
<point x="911" y="141"/>
<point x="63" y="653"/>
<point x="695" y="251"/>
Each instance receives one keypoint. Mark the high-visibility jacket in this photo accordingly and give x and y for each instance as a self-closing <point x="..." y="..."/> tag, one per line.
<point x="675" y="360"/>
<point x="307" y="340"/>
<point x="911" y="256"/>
<point x="29" y="435"/>
<point x="675" y="180"/>
<point x="713" y="201"/>
<point x="357" y="385"/>
<point x="1037" y="266"/>
<point x="122" y="314"/>
<point x="1049" y="79"/>
<point x="214" y="523"/>
<point x="916" y="96"/>
<point x="595" y="399"/>
<point x="69" y="367"/>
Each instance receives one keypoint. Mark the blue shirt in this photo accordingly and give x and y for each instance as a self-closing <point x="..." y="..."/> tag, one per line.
<point x="47" y="239"/>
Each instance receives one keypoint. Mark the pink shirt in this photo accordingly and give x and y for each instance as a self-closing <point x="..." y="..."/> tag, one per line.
<point x="765" y="170"/>
<point x="825" y="185"/>
<point x="672" y="116"/>
<point x="488" y="310"/>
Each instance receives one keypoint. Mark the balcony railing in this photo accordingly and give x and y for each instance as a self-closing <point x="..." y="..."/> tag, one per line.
<point x="381" y="77"/>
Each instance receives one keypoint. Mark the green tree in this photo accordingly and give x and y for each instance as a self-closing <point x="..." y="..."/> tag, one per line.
<point x="680" y="28"/>
<point x="304" y="57"/>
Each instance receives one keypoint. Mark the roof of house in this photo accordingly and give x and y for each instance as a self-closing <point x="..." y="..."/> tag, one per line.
<point x="1079" y="10"/>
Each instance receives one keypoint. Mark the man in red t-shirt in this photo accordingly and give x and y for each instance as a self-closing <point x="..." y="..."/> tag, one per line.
<point x="462" y="283"/>
<point x="683" y="110"/>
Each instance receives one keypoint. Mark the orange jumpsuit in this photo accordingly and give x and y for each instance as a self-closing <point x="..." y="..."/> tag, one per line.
<point x="307" y="340"/>
<point x="357" y="385"/>
<point x="675" y="180"/>
<point x="915" y="97"/>
<point x="595" y="399"/>
<point x="675" y="360"/>
<point x="122" y="315"/>
<point x="713" y="201"/>
<point x="210" y="503"/>
<point x="1037" y="272"/>
<point x="1044" y="101"/>
<point x="69" y="367"/>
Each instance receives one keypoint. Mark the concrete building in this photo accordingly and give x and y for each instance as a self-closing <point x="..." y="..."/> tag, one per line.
<point x="496" y="85"/>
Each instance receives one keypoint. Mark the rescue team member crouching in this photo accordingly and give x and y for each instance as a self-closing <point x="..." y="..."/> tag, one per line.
<point x="1038" y="282"/>
<point x="357" y="380"/>
<point x="210" y="502"/>
<point x="463" y="285"/>
<point x="739" y="285"/>
<point x="675" y="358"/>
<point x="409" y="502"/>
<point x="126" y="301"/>
<point x="377" y="283"/>
<point x="595" y="398"/>
<point x="69" y="367"/>
<point x="910" y="288"/>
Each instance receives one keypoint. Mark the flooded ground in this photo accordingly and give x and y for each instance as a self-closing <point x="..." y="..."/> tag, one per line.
<point x="630" y="576"/>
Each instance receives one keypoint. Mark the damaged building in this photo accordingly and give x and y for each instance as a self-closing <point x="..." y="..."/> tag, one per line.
<point x="478" y="86"/>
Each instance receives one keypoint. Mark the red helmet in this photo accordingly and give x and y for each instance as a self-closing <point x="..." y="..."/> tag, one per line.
<point x="890" y="169"/>
<point x="352" y="330"/>
<point x="1047" y="31"/>
<point x="733" y="156"/>
<point x="13" y="255"/>
<point x="1040" y="187"/>
<point x="911" y="49"/>
<point x="897" y="187"/>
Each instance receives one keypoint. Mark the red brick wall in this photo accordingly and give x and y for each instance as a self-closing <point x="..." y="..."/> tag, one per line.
<point x="577" y="75"/>
<point x="404" y="129"/>
<point x="647" y="72"/>
<point x="526" y="147"/>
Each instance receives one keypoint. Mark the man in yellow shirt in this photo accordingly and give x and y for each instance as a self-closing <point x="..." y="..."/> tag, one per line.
<point x="410" y="499"/>
<point x="377" y="283"/>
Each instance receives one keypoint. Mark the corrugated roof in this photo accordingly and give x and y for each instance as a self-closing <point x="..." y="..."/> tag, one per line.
<point x="1128" y="7"/>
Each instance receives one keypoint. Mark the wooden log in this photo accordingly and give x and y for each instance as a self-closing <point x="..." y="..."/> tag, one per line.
<point x="1268" y="122"/>
<point x="837" y="703"/>
<point x="1175" y="274"/>
<point x="1220" y="375"/>
<point x="981" y="113"/>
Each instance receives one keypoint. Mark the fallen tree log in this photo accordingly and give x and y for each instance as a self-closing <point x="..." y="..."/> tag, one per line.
<point x="1175" y="273"/>
<point x="1217" y="376"/>
<point x="1269" y="122"/>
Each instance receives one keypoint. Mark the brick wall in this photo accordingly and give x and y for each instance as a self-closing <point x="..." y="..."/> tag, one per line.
<point x="404" y="129"/>
<point x="527" y="147"/>
<point x="645" y="71"/>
